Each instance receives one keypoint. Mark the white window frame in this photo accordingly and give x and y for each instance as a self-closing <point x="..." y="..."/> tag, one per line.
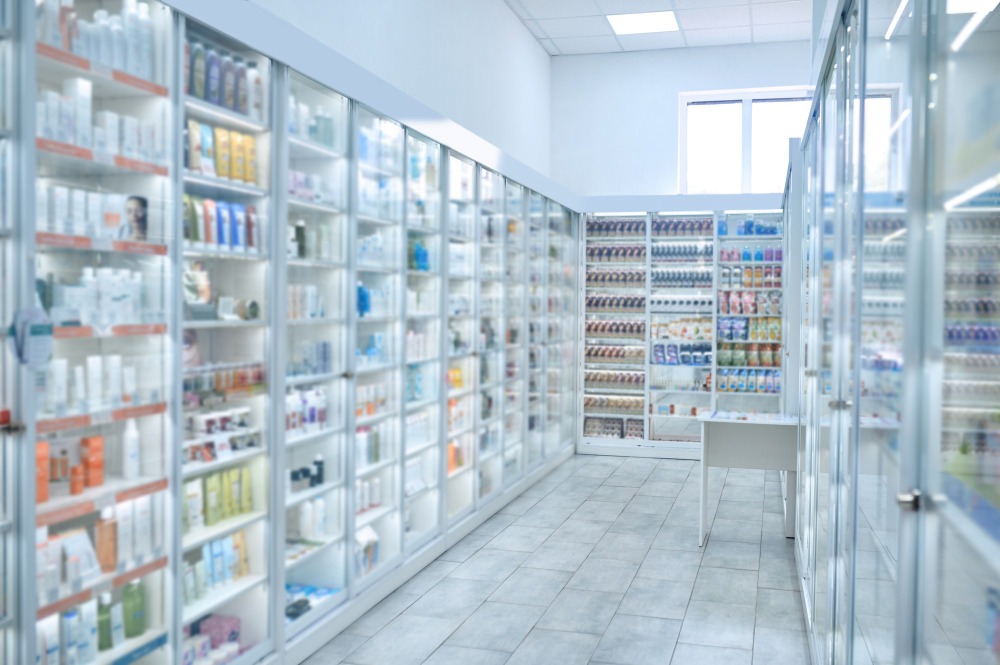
<point x="747" y="96"/>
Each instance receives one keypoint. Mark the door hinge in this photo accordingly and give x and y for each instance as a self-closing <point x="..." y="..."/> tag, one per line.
<point x="912" y="500"/>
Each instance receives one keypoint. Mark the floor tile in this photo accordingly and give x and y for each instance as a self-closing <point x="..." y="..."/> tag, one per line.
<point x="779" y="609"/>
<point x="772" y="489"/>
<point x="546" y="647"/>
<point x="698" y="654"/>
<point x="449" y="655"/>
<point x="599" y="510"/>
<point x="726" y="585"/>
<point x="565" y="499"/>
<point x="776" y="546"/>
<point x="637" y="524"/>
<point x="407" y="640"/>
<point x="520" y="538"/>
<point x="337" y="649"/>
<point x="738" y="493"/>
<point x="532" y="586"/>
<point x="780" y="647"/>
<point x="597" y="470"/>
<point x="774" y="504"/>
<point x="379" y="616"/>
<point x="739" y="510"/>
<point x="623" y="547"/>
<point x="519" y="506"/>
<point x="677" y="538"/>
<point x="677" y="464"/>
<point x="453" y="598"/>
<point x="778" y="574"/>
<point x="496" y="627"/>
<point x="557" y="555"/>
<point x="578" y="611"/>
<point x="494" y="525"/>
<point x="463" y="549"/>
<point x="607" y="575"/>
<point x="719" y="625"/>
<point x="423" y="581"/>
<point x="745" y="477"/>
<point x="668" y="476"/>
<point x="664" y="599"/>
<point x="671" y="565"/>
<point x="612" y="493"/>
<point x="735" y="530"/>
<point x="651" y="488"/>
<point x="774" y="523"/>
<point x="727" y="554"/>
<point x="491" y="565"/>
<point x="626" y="479"/>
<point x="652" y="505"/>
<point x="581" y="531"/>
<point x="547" y="516"/>
<point x="635" y="640"/>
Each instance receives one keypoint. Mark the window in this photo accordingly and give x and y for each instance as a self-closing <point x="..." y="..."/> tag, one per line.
<point x="715" y="148"/>
<point x="736" y="141"/>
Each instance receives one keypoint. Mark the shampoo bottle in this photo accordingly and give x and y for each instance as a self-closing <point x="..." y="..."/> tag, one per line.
<point x="134" y="599"/>
<point x="104" y="623"/>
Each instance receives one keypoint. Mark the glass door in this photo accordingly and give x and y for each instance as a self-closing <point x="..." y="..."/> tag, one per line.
<point x="104" y="238"/>
<point x="462" y="334"/>
<point x="555" y="307"/>
<point x="378" y="344"/>
<point x="314" y="437"/>
<point x="515" y="347"/>
<point x="424" y="342"/>
<point x="9" y="460"/>
<point x="565" y="228"/>
<point x="537" y="305"/>
<point x="961" y="342"/>
<point x="490" y="299"/>
<point x="227" y="294"/>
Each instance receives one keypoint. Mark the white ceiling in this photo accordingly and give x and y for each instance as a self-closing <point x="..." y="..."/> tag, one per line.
<point x="572" y="27"/>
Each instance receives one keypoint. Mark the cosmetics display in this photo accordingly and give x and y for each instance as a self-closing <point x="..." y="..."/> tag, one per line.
<point x="697" y="304"/>
<point x="615" y="304"/>
<point x="608" y="405"/>
<point x="218" y="564"/>
<point x="683" y="227"/>
<point x="600" y="228"/>
<point x="617" y="279"/>
<point x="615" y="329"/>
<point x="695" y="278"/>
<point x="677" y="252"/>
<point x="224" y="76"/>
<point x="221" y="226"/>
<point x="628" y="381"/>
<point x="616" y="254"/>
<point x="594" y="354"/>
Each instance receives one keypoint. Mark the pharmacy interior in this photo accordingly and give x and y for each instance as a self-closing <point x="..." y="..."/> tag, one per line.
<point x="206" y="455"/>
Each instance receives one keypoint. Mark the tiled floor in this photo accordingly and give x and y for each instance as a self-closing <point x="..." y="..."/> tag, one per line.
<point x="599" y="563"/>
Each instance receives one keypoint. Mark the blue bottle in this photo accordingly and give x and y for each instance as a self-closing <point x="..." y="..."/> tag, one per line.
<point x="746" y="254"/>
<point x="723" y="228"/>
<point x="758" y="255"/>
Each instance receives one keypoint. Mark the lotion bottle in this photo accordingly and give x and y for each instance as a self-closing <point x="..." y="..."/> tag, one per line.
<point x="130" y="451"/>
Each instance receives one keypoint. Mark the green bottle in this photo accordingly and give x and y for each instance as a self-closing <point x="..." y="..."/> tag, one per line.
<point x="135" y="609"/>
<point x="104" y="623"/>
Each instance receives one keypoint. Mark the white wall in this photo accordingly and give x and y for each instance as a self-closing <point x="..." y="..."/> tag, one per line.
<point x="472" y="61"/>
<point x="614" y="116"/>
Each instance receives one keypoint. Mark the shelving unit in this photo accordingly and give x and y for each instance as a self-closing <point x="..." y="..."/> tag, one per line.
<point x="425" y="350"/>
<point x="537" y="265"/>
<point x="515" y="334"/>
<point x="316" y="149"/>
<point x="228" y="303"/>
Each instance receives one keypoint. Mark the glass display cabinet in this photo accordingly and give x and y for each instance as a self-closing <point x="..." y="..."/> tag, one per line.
<point x="316" y="145"/>
<point x="462" y="336"/>
<point x="425" y="353"/>
<point x="537" y="260"/>
<point x="379" y="348"/>
<point x="490" y="301"/>
<point x="515" y="335"/>
<point x="227" y="307"/>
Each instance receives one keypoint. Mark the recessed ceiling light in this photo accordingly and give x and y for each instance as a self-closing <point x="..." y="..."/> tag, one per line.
<point x="640" y="24"/>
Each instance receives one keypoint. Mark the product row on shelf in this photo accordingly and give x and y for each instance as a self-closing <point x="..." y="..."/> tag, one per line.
<point x="716" y="309"/>
<point x="409" y="314"/>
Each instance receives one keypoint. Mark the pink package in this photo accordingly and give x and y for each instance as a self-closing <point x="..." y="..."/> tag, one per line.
<point x="221" y="629"/>
<point x="734" y="303"/>
<point x="749" y="303"/>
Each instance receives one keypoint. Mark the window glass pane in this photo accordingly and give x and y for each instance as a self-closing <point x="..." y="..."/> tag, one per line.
<point x="878" y="124"/>
<point x="714" y="148"/>
<point x="772" y="123"/>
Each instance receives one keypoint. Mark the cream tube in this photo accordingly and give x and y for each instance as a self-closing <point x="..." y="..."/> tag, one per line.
<point x="95" y="380"/>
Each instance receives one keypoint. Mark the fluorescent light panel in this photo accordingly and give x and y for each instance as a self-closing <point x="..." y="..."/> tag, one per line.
<point x="643" y="23"/>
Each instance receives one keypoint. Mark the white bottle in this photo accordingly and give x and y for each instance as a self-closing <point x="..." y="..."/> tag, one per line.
<point x="255" y="93"/>
<point x="145" y="42"/>
<point x="306" y="520"/>
<point x="130" y="451"/>
<point x="375" y="500"/>
<point x="133" y="38"/>
<point x="319" y="518"/>
<point x="118" y="43"/>
<point x="101" y="49"/>
<point x="89" y="300"/>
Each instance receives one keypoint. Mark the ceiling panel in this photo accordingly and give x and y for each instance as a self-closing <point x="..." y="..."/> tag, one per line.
<point x="713" y="17"/>
<point x="632" y="6"/>
<point x="704" y="4"/>
<point x="651" y="41"/>
<point x="579" y="45"/>
<point x="782" y="32"/>
<point x="718" y="36"/>
<point x="549" y="46"/>
<point x="534" y="29"/>
<point x="581" y="26"/>
<point x="560" y="8"/>
<point x="781" y="12"/>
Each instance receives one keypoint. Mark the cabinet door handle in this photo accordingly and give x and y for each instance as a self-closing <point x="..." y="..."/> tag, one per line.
<point x="911" y="501"/>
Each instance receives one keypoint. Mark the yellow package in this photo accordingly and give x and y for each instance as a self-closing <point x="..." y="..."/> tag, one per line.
<point x="238" y="151"/>
<point x="194" y="146"/>
<point x="222" y="157"/>
<point x="250" y="159"/>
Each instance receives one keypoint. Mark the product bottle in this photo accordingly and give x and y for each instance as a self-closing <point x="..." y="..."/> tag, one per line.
<point x="197" y="70"/>
<point x="130" y="451"/>
<point x="318" y="469"/>
<point x="213" y="75"/>
<point x="747" y="256"/>
<point x="104" y="623"/>
<point x="145" y="42"/>
<point x="118" y="45"/>
<point x="134" y="599"/>
<point x="240" y="82"/>
<point x="319" y="518"/>
<point x="255" y="92"/>
<point x="228" y="81"/>
<point x="306" y="520"/>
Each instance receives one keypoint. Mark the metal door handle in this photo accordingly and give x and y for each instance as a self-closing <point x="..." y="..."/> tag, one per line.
<point x="912" y="500"/>
<point x="841" y="404"/>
